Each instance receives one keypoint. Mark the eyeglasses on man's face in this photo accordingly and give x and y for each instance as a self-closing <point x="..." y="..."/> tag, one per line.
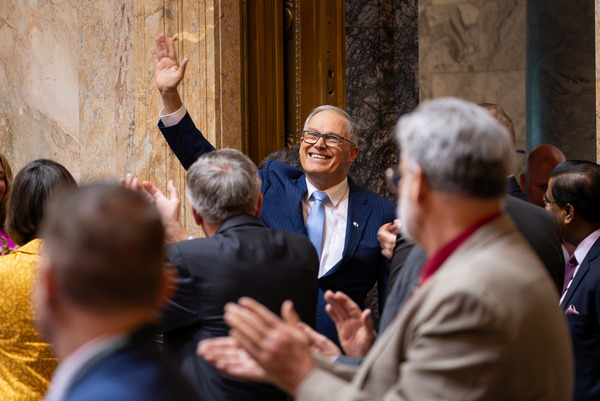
<point x="331" y="140"/>
<point x="547" y="202"/>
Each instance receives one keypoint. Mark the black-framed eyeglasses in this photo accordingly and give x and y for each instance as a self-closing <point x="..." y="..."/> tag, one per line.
<point x="331" y="140"/>
<point x="547" y="202"/>
<point x="392" y="177"/>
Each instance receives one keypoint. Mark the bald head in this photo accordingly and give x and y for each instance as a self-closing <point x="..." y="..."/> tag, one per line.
<point x="500" y="115"/>
<point x="540" y="162"/>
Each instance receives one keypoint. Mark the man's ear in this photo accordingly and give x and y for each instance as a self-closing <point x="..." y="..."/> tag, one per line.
<point x="353" y="154"/>
<point x="197" y="218"/>
<point x="568" y="213"/>
<point x="259" y="205"/>
<point x="420" y="182"/>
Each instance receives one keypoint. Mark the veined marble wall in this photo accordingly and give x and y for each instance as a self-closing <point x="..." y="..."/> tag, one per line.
<point x="76" y="83"/>
<point x="475" y="50"/>
<point x="382" y="60"/>
<point x="560" y="76"/>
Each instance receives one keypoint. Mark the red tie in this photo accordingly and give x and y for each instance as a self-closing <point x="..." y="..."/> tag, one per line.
<point x="569" y="270"/>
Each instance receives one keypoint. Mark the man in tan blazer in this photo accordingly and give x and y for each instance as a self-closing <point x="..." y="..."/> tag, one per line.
<point x="479" y="327"/>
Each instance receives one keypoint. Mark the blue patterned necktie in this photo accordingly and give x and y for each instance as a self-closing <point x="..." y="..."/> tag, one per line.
<point x="316" y="220"/>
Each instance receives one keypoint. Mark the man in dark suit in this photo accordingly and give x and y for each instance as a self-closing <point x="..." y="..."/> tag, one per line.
<point x="100" y="286"/>
<point x="239" y="257"/>
<point x="573" y="196"/>
<point x="351" y="258"/>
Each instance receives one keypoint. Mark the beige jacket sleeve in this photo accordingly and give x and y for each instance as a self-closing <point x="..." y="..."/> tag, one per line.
<point x="451" y="354"/>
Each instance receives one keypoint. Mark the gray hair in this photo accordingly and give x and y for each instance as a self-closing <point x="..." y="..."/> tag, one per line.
<point x="353" y="129"/>
<point x="223" y="184"/>
<point x="459" y="146"/>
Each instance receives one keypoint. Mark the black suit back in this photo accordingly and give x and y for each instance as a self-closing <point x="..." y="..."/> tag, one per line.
<point x="242" y="259"/>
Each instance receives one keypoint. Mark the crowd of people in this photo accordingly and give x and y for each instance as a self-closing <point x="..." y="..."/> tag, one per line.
<point x="489" y="286"/>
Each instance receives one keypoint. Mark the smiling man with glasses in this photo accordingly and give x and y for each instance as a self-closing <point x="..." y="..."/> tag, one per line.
<point x="343" y="227"/>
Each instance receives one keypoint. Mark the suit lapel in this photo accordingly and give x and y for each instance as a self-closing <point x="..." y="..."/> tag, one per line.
<point x="583" y="270"/>
<point x="295" y="191"/>
<point x="358" y="216"/>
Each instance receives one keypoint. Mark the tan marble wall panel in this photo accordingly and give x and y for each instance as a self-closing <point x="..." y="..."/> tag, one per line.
<point x="505" y="87"/>
<point x="475" y="49"/>
<point x="105" y="85"/>
<point x="76" y="83"/>
<point x="38" y="83"/>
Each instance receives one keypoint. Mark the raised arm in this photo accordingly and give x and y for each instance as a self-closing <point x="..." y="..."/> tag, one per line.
<point x="184" y="139"/>
<point x="168" y="73"/>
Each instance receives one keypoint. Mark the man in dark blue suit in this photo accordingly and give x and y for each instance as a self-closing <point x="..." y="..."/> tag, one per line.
<point x="100" y="286"/>
<point x="350" y="256"/>
<point x="573" y="196"/>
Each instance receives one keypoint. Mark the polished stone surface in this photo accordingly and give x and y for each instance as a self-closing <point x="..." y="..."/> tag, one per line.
<point x="382" y="64"/>
<point x="561" y="85"/>
<point x="475" y="50"/>
<point x="76" y="84"/>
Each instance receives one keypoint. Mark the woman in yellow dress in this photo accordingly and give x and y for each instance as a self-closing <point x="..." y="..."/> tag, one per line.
<point x="26" y="361"/>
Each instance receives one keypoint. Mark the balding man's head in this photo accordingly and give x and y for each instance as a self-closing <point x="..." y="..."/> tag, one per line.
<point x="499" y="114"/>
<point x="540" y="162"/>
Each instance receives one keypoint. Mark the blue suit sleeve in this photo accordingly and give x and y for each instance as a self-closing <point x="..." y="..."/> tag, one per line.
<point x="186" y="141"/>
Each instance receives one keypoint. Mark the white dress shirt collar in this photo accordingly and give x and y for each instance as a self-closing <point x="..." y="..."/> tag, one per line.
<point x="584" y="246"/>
<point x="335" y="193"/>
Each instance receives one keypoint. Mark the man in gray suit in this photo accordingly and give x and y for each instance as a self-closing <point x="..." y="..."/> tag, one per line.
<point x="479" y="327"/>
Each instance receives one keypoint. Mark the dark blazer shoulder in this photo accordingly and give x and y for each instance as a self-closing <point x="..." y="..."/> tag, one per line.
<point x="540" y="229"/>
<point x="138" y="371"/>
<point x="280" y="175"/>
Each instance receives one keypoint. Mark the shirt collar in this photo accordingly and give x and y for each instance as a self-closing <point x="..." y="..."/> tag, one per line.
<point x="435" y="262"/>
<point x="584" y="246"/>
<point x="335" y="193"/>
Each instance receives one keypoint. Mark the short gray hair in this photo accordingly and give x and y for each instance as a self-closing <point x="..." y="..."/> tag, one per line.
<point x="459" y="146"/>
<point x="353" y="129"/>
<point x="223" y="184"/>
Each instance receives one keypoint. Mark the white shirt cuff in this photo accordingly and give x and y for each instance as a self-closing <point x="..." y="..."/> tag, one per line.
<point x="174" y="118"/>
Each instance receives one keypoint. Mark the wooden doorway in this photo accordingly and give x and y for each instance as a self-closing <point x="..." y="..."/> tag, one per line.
<point x="294" y="61"/>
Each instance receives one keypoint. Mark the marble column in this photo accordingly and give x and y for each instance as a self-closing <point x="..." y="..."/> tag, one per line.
<point x="382" y="62"/>
<point x="560" y="76"/>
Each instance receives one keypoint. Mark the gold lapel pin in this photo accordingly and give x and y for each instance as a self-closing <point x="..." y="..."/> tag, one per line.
<point x="355" y="224"/>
